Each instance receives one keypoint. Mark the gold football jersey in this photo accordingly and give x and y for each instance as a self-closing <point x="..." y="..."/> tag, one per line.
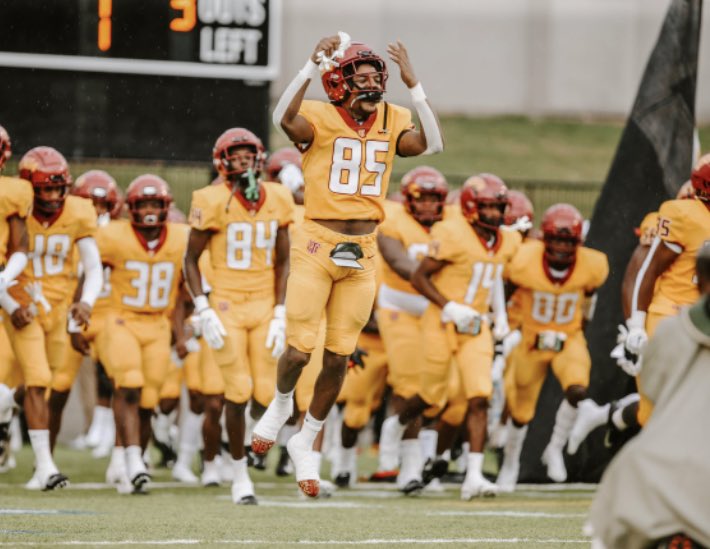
<point x="347" y="167"/>
<point x="544" y="304"/>
<point x="242" y="246"/>
<point x="16" y="197"/>
<point x="143" y="279"/>
<point x="472" y="267"/>
<point x="51" y="257"/>
<point x="415" y="238"/>
<point x="687" y="224"/>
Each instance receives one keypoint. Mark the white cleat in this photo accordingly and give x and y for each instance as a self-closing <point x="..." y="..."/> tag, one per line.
<point x="556" y="470"/>
<point x="589" y="416"/>
<point x="211" y="473"/>
<point x="182" y="473"/>
<point x="305" y="462"/>
<point x="115" y="473"/>
<point x="477" y="486"/>
<point x="46" y="480"/>
<point x="267" y="429"/>
<point x="327" y="489"/>
<point x="243" y="493"/>
<point x="434" y="486"/>
<point x="226" y="471"/>
<point x="508" y="476"/>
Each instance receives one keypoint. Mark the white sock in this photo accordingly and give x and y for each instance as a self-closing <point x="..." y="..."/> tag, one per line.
<point x="311" y="428"/>
<point x="514" y="444"/>
<point x="282" y="401"/>
<point x="239" y="467"/>
<point x="411" y="459"/>
<point x="474" y="464"/>
<point x="428" y="439"/>
<point x="190" y="435"/>
<point x="564" y="421"/>
<point x="118" y="457"/>
<point x="39" y="438"/>
<point x="286" y="432"/>
<point x="318" y="458"/>
<point x="348" y="460"/>
<point x="249" y="423"/>
<point x="134" y="459"/>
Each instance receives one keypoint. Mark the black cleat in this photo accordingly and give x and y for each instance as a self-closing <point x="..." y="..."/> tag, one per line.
<point x="255" y="460"/>
<point x="284" y="468"/>
<point x="248" y="500"/>
<point x="55" y="481"/>
<point x="412" y="488"/>
<point x="4" y="444"/>
<point x="167" y="454"/>
<point x="139" y="481"/>
<point x="343" y="480"/>
<point x="434" y="468"/>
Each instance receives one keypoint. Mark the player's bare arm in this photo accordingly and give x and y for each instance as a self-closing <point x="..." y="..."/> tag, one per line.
<point x="632" y="269"/>
<point x="195" y="246"/>
<point x="281" y="265"/>
<point x="396" y="257"/>
<point x="414" y="143"/>
<point x="179" y="315"/>
<point x="421" y="280"/>
<point x="658" y="260"/>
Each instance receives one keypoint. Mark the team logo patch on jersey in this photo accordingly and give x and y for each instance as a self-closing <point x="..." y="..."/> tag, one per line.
<point x="223" y="306"/>
<point x="313" y="247"/>
<point x="196" y="216"/>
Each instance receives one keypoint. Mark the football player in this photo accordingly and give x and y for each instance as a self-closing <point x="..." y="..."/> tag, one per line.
<point x="557" y="280"/>
<point x="403" y="240"/>
<point x="145" y="256"/>
<point x="39" y="302"/>
<point x="462" y="278"/>
<point x="352" y="140"/>
<point x="15" y="206"/>
<point x="243" y="222"/>
<point x="99" y="187"/>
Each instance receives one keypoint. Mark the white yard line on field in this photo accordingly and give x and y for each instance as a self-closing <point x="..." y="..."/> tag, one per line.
<point x="379" y="541"/>
<point x="514" y="514"/>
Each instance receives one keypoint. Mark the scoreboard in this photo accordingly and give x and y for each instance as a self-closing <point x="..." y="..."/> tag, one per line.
<point x="237" y="39"/>
<point x="153" y="79"/>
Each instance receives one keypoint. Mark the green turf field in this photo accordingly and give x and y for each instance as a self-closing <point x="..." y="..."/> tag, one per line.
<point x="90" y="514"/>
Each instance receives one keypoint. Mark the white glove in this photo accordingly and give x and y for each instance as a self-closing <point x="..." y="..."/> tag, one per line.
<point x="211" y="326"/>
<point x="629" y="362"/>
<point x="510" y="342"/>
<point x="550" y="340"/>
<point x="462" y="316"/>
<point x="276" y="338"/>
<point x="636" y="337"/>
<point x="5" y="283"/>
<point x="34" y="290"/>
<point x="325" y="63"/>
<point x="291" y="177"/>
<point x="500" y="328"/>
<point x="194" y="322"/>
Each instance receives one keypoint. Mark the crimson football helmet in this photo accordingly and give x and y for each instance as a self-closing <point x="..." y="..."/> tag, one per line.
<point x="484" y="189"/>
<point x="100" y="188"/>
<point x="520" y="210"/>
<point x="5" y="147"/>
<point x="562" y="229"/>
<point x="46" y="168"/>
<point x="148" y="187"/>
<point x="700" y="178"/>
<point x="424" y="181"/>
<point x="686" y="191"/>
<point x="338" y="82"/>
<point x="277" y="160"/>
<point x="223" y="152"/>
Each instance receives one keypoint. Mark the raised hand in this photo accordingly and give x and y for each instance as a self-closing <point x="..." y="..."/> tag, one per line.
<point x="398" y="53"/>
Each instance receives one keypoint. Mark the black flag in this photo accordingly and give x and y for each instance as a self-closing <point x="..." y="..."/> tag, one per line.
<point x="653" y="159"/>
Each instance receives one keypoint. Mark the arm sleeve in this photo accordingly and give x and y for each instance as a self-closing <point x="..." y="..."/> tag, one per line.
<point x="93" y="273"/>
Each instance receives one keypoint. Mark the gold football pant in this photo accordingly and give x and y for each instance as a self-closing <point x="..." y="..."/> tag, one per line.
<point x="571" y="366"/>
<point x="63" y="377"/>
<point x="402" y="336"/>
<point x="248" y="369"/>
<point x="316" y="284"/>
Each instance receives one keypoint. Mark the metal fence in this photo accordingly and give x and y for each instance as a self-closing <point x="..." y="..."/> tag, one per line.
<point x="186" y="177"/>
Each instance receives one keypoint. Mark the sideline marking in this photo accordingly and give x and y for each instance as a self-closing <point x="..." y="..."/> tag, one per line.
<point x="515" y="514"/>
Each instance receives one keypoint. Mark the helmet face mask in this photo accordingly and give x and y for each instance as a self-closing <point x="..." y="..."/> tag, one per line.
<point x="424" y="190"/>
<point x="48" y="172"/>
<point x="5" y="147"/>
<point x="149" y="198"/>
<point x="484" y="200"/>
<point x="232" y="152"/>
<point x="562" y="227"/>
<point x="342" y="81"/>
<point x="700" y="179"/>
